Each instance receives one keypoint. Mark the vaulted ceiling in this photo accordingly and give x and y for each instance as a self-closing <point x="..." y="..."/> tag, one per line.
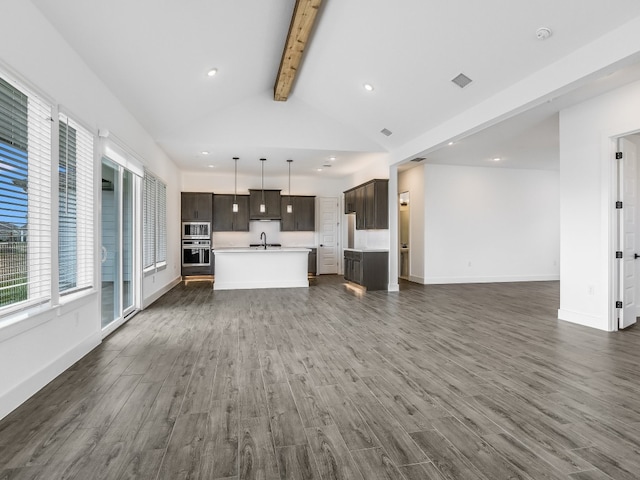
<point x="155" y="55"/>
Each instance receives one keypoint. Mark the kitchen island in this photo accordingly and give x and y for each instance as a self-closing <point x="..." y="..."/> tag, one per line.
<point x="245" y="268"/>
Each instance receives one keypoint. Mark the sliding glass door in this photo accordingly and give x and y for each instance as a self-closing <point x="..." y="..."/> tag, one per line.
<point x="119" y="258"/>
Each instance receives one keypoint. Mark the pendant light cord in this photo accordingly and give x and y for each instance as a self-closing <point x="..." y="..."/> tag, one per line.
<point x="289" y="182"/>
<point x="262" y="160"/>
<point x="235" y="180"/>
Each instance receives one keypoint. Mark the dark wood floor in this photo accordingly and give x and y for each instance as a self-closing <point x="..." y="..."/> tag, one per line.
<point x="435" y="382"/>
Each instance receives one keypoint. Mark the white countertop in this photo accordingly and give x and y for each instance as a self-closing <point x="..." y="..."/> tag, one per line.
<point x="367" y="249"/>
<point x="260" y="250"/>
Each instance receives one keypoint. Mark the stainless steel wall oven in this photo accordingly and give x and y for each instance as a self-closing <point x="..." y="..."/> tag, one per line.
<point x="196" y="253"/>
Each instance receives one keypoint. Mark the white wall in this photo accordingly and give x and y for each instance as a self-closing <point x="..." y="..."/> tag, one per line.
<point x="224" y="183"/>
<point x="412" y="181"/>
<point x="587" y="167"/>
<point x="490" y="224"/>
<point x="40" y="346"/>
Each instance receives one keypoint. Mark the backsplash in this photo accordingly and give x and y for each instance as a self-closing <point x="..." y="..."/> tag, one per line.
<point x="371" y="239"/>
<point x="271" y="229"/>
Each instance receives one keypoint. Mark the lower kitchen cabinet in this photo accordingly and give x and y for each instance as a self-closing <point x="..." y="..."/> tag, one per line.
<point x="313" y="261"/>
<point x="201" y="270"/>
<point x="367" y="268"/>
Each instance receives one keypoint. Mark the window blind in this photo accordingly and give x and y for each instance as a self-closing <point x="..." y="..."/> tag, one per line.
<point x="161" y="231"/>
<point x="149" y="221"/>
<point x="25" y="197"/>
<point x="75" y="206"/>
<point x="154" y="212"/>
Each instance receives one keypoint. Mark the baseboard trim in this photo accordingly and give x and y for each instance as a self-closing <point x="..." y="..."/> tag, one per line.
<point x="15" y="397"/>
<point x="583" y="319"/>
<point x="497" y="279"/>
<point x="160" y="292"/>
<point x="414" y="279"/>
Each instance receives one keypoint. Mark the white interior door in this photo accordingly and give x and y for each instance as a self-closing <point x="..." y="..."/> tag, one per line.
<point x="628" y="182"/>
<point x="328" y="229"/>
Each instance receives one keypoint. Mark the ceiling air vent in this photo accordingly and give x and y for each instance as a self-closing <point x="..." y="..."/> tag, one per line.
<point x="462" y="80"/>
<point x="386" y="132"/>
<point x="327" y="165"/>
<point x="418" y="159"/>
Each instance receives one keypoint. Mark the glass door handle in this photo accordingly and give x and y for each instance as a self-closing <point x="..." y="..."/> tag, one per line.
<point x="104" y="255"/>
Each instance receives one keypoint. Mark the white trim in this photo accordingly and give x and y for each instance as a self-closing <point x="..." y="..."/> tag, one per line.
<point x="393" y="287"/>
<point x="113" y="326"/>
<point x="498" y="279"/>
<point x="581" y="319"/>
<point x="414" y="279"/>
<point x="18" y="395"/>
<point x="113" y="151"/>
<point x="159" y="293"/>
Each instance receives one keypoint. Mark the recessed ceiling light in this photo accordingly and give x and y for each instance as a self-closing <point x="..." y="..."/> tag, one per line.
<point x="318" y="169"/>
<point x="204" y="152"/>
<point x="450" y="143"/>
<point x="496" y="159"/>
<point x="212" y="72"/>
<point x="332" y="159"/>
<point x="368" y="87"/>
<point x="211" y="166"/>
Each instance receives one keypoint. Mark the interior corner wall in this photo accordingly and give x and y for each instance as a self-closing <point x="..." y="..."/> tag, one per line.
<point x="412" y="181"/>
<point x="35" y="350"/>
<point x="487" y="224"/>
<point x="587" y="133"/>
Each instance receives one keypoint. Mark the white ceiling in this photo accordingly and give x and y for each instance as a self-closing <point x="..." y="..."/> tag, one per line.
<point x="154" y="55"/>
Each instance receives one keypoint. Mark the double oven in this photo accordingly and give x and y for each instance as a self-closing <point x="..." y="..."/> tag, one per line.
<point x="196" y="244"/>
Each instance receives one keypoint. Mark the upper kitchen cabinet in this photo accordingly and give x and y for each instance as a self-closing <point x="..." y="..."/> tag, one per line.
<point x="350" y="201"/>
<point x="370" y="203"/>
<point x="196" y="206"/>
<point x="303" y="216"/>
<point x="225" y="219"/>
<point x="271" y="201"/>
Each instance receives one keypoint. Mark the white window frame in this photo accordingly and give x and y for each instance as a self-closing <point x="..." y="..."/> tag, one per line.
<point x="154" y="220"/>
<point x="39" y="259"/>
<point x="85" y="212"/>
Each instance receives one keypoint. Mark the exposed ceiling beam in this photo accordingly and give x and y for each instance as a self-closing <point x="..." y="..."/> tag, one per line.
<point x="304" y="16"/>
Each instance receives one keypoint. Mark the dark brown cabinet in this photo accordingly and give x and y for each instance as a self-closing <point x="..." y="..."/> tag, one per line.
<point x="370" y="203"/>
<point x="303" y="216"/>
<point x="369" y="269"/>
<point x="313" y="261"/>
<point x="196" y="206"/>
<point x="360" y="208"/>
<point x="350" y="201"/>
<point x="271" y="201"/>
<point x="225" y="219"/>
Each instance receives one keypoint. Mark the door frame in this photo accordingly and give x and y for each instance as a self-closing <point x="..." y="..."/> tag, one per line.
<point x="338" y="247"/>
<point x="616" y="230"/>
<point x="118" y="155"/>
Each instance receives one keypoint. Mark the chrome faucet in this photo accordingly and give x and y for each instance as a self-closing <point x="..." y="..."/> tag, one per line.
<point x="263" y="237"/>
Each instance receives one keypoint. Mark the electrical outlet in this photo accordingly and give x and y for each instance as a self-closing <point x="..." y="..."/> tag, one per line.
<point x="591" y="290"/>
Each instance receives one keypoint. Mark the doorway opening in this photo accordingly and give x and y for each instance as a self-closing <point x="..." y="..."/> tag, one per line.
<point x="403" y="236"/>
<point x="627" y="277"/>
<point x="120" y="272"/>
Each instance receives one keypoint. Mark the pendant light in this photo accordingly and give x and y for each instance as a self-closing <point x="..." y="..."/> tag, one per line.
<point x="235" y="185"/>
<point x="263" y="206"/>
<point x="289" y="206"/>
